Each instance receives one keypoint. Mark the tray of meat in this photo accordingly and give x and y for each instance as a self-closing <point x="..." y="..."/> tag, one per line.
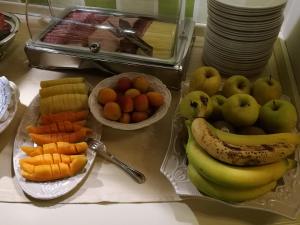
<point x="112" y="41"/>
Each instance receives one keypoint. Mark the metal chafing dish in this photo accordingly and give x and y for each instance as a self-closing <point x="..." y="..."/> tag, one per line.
<point x="45" y="50"/>
<point x="7" y="37"/>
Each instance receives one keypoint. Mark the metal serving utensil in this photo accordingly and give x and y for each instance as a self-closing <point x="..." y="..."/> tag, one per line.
<point x="101" y="149"/>
<point x="125" y="30"/>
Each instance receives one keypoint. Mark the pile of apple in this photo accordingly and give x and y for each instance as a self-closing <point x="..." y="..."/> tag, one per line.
<point x="238" y="105"/>
<point x="130" y="100"/>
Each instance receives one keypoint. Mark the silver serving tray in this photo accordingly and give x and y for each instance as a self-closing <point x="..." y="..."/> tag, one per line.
<point x="14" y="23"/>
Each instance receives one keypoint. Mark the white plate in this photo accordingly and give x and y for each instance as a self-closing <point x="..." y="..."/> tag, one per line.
<point x="284" y="200"/>
<point x="155" y="84"/>
<point x="52" y="189"/>
<point x="11" y="110"/>
<point x="253" y="4"/>
<point x="244" y="16"/>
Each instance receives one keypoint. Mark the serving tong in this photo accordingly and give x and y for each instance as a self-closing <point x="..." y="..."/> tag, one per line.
<point x="124" y="30"/>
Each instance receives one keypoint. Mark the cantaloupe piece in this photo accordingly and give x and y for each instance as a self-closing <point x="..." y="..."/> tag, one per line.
<point x="57" y="147"/>
<point x="49" y="172"/>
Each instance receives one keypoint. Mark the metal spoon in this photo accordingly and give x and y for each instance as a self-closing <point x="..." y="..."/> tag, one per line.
<point x="101" y="149"/>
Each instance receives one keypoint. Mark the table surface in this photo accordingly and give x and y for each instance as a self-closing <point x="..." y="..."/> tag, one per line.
<point x="200" y="211"/>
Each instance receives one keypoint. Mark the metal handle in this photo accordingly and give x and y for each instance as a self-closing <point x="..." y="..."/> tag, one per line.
<point x="26" y="14"/>
<point x="136" y="175"/>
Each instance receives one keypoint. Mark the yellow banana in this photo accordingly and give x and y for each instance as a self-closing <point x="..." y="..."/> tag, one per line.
<point x="226" y="193"/>
<point x="234" y="176"/>
<point x="238" y="154"/>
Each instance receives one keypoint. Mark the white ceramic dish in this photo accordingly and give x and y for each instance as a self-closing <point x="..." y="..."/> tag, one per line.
<point x="242" y="15"/>
<point x="155" y="84"/>
<point x="253" y="4"/>
<point x="284" y="200"/>
<point x="11" y="107"/>
<point x="53" y="189"/>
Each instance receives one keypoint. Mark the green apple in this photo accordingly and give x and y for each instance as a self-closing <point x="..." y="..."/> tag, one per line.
<point x="278" y="116"/>
<point x="265" y="89"/>
<point x="224" y="126"/>
<point x="195" y="104"/>
<point x="236" y="84"/>
<point x="206" y="79"/>
<point x="217" y="103"/>
<point x="241" y="110"/>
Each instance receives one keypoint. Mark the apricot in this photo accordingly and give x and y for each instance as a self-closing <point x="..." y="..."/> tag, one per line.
<point x="138" y="116"/>
<point x="125" y="118"/>
<point x="126" y="103"/>
<point x="141" y="103"/>
<point x="132" y="92"/>
<point x="106" y="95"/>
<point x="155" y="98"/>
<point x="112" y="111"/>
<point x="141" y="83"/>
<point x="123" y="84"/>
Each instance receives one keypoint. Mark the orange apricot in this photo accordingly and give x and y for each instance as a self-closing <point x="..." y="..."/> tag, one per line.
<point x="141" y="103"/>
<point x="141" y="83"/>
<point x="123" y="84"/>
<point x="155" y="98"/>
<point x="125" y="118"/>
<point x="132" y="92"/>
<point x="138" y="116"/>
<point x="112" y="111"/>
<point x="106" y="95"/>
<point x="126" y="103"/>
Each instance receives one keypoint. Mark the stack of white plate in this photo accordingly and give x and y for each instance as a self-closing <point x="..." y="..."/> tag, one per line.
<point x="240" y="34"/>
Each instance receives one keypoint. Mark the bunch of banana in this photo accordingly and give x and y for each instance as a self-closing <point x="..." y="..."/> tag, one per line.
<point x="243" y="150"/>
<point x="228" y="182"/>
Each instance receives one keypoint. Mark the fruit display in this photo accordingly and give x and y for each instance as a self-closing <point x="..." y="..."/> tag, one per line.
<point x="230" y="182"/>
<point x="241" y="148"/>
<point x="59" y="132"/>
<point x="130" y="100"/>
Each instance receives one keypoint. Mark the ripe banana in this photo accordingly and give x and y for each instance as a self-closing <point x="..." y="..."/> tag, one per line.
<point x="226" y="193"/>
<point x="238" y="154"/>
<point x="233" y="176"/>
